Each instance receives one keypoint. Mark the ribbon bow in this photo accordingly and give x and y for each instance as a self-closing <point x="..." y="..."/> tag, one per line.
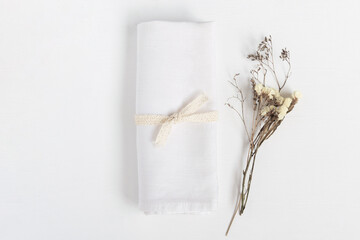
<point x="186" y="114"/>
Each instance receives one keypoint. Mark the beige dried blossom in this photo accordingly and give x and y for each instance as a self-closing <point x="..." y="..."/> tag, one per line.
<point x="297" y="95"/>
<point x="282" y="110"/>
<point x="287" y="102"/>
<point x="265" y="110"/>
<point x="258" y="88"/>
<point x="280" y="100"/>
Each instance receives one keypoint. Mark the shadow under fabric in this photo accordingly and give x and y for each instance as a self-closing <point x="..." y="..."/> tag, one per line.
<point x="175" y="63"/>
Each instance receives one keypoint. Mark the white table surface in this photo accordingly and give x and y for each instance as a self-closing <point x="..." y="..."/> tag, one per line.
<point x="68" y="166"/>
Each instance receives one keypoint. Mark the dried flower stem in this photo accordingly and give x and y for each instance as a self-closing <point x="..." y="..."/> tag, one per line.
<point x="269" y="110"/>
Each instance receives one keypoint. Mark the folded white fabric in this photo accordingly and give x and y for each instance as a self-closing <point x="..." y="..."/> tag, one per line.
<point x="176" y="63"/>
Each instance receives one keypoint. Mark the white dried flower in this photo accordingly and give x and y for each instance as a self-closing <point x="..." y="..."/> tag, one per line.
<point x="279" y="99"/>
<point x="276" y="93"/>
<point x="287" y="102"/>
<point x="296" y="95"/>
<point x="281" y="116"/>
<point x="282" y="110"/>
<point x="268" y="91"/>
<point x="265" y="110"/>
<point x="272" y="93"/>
<point x="258" y="88"/>
<point x="265" y="90"/>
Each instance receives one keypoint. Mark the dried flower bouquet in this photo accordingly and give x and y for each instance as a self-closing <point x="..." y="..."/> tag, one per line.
<point x="269" y="110"/>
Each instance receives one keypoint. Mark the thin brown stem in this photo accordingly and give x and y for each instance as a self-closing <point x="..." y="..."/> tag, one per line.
<point x="287" y="75"/>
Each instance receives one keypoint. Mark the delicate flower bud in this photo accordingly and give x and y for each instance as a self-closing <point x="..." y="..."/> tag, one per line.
<point x="265" y="90"/>
<point x="280" y="99"/>
<point x="271" y="93"/>
<point x="287" y="102"/>
<point x="258" y="88"/>
<point x="265" y="110"/>
<point x="282" y="112"/>
<point x="296" y="95"/>
<point x="281" y="116"/>
<point x="276" y="93"/>
<point x="268" y="91"/>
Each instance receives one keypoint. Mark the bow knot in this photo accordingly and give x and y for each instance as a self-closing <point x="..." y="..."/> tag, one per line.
<point x="188" y="113"/>
<point x="174" y="118"/>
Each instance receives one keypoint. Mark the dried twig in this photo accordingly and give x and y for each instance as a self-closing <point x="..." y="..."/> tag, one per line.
<point x="269" y="110"/>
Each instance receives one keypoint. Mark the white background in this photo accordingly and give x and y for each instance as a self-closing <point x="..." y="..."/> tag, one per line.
<point x="68" y="166"/>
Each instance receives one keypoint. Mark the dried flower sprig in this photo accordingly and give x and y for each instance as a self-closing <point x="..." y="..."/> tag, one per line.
<point x="269" y="110"/>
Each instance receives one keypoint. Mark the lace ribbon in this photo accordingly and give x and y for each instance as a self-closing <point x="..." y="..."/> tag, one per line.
<point x="186" y="114"/>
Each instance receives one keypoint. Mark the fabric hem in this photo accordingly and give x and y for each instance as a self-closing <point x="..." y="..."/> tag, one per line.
<point x="179" y="208"/>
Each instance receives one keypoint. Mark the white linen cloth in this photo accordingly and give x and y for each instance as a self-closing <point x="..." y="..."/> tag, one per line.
<point x="175" y="63"/>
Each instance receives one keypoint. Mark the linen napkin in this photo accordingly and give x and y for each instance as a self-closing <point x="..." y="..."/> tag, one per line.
<point x="175" y="63"/>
